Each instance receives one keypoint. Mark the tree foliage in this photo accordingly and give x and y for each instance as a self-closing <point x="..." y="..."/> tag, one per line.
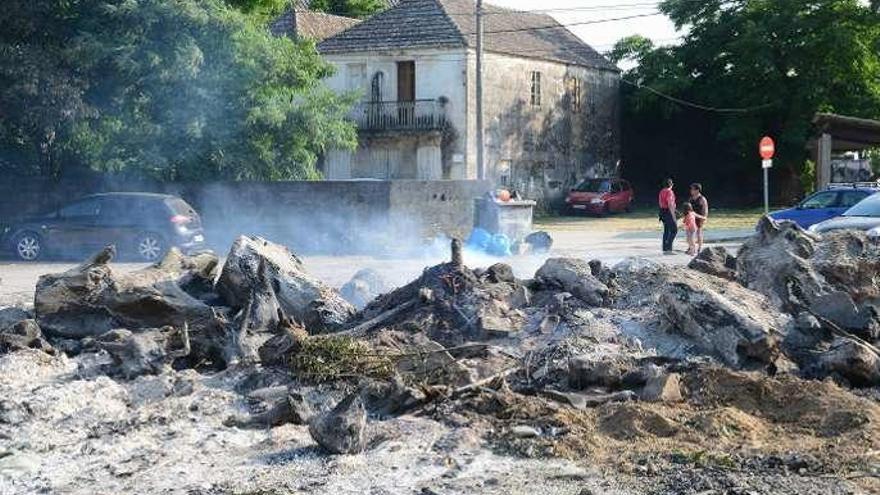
<point x="780" y="60"/>
<point x="173" y="89"/>
<point x="349" y="8"/>
<point x="266" y="9"/>
<point x="261" y="9"/>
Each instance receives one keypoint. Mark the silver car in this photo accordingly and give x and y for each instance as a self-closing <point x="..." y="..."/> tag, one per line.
<point x="865" y="215"/>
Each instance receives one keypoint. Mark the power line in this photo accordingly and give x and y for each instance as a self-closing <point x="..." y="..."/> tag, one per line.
<point x="698" y="106"/>
<point x="591" y="8"/>
<point x="536" y="53"/>
<point x="568" y="24"/>
<point x="555" y="25"/>
<point x="515" y="13"/>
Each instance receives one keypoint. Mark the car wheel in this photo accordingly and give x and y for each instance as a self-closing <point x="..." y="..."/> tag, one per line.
<point x="629" y="208"/>
<point x="150" y="246"/>
<point x="28" y="246"/>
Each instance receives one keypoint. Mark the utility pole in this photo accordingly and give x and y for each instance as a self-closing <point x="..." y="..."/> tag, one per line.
<point x="481" y="170"/>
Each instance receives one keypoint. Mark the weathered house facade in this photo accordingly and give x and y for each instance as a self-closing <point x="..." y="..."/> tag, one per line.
<point x="550" y="101"/>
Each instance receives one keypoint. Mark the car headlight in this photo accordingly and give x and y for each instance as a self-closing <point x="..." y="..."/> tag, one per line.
<point x="597" y="201"/>
<point x="874" y="233"/>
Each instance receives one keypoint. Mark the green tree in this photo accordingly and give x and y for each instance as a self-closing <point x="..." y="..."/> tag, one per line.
<point x="781" y="60"/>
<point x="173" y="89"/>
<point x="41" y="93"/>
<point x="260" y="10"/>
<point x="349" y="8"/>
<point x="263" y="10"/>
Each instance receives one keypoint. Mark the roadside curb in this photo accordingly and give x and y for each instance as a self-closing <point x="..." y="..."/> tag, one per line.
<point x="727" y="239"/>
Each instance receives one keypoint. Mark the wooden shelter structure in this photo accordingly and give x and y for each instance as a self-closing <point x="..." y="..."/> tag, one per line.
<point x="839" y="134"/>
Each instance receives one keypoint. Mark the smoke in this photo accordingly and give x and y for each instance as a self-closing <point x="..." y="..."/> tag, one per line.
<point x="341" y="227"/>
<point x="338" y="227"/>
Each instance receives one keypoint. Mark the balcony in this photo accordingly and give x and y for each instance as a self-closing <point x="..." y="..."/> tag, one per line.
<point x="418" y="115"/>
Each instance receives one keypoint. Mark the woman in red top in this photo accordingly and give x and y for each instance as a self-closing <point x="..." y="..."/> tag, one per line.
<point x="666" y="203"/>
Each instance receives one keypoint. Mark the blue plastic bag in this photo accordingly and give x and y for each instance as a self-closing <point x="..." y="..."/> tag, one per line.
<point x="500" y="245"/>
<point x="479" y="239"/>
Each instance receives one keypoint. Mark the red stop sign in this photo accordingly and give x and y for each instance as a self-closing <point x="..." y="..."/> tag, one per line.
<point x="767" y="148"/>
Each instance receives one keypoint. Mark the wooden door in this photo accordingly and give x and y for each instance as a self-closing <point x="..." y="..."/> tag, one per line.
<point x="406" y="81"/>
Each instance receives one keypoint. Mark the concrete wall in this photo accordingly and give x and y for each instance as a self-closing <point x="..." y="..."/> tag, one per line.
<point x="309" y="216"/>
<point x="543" y="150"/>
<point x="441" y="206"/>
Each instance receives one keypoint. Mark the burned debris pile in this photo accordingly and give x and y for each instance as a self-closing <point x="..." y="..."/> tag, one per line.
<point x="572" y="362"/>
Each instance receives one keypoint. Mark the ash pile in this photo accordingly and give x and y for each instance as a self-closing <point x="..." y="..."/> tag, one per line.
<point x="743" y="359"/>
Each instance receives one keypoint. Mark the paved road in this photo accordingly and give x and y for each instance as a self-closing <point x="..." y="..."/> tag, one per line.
<point x="17" y="280"/>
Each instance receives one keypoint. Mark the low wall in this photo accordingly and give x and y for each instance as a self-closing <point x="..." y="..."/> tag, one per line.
<point x="330" y="217"/>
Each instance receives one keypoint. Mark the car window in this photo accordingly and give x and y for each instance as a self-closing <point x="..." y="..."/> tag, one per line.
<point x="819" y="200"/>
<point x="594" y="185"/>
<point x="116" y="211"/>
<point x="616" y="187"/>
<point x="180" y="207"/>
<point x="84" y="208"/>
<point x="156" y="211"/>
<point x="868" y="207"/>
<point x="849" y="199"/>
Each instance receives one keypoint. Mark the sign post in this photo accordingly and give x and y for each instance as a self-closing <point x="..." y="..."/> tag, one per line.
<point x="766" y="148"/>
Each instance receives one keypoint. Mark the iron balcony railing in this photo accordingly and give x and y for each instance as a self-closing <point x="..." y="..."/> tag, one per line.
<point x="418" y="115"/>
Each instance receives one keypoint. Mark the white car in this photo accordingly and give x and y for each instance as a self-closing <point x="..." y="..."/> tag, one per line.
<point x="865" y="215"/>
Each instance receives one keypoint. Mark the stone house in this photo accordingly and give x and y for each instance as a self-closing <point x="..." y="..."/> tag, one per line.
<point x="550" y="100"/>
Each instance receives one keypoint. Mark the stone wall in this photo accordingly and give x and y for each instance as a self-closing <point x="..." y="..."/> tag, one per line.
<point x="543" y="150"/>
<point x="326" y="217"/>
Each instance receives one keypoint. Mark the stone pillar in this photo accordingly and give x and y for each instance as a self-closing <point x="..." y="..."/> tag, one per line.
<point x="429" y="160"/>
<point x="338" y="165"/>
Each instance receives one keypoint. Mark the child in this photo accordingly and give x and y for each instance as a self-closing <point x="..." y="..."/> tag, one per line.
<point x="690" y="226"/>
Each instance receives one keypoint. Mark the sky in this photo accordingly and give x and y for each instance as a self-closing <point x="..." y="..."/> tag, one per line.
<point x="602" y="36"/>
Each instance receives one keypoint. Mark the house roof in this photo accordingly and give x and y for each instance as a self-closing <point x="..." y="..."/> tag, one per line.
<point x="308" y="24"/>
<point x="452" y="23"/>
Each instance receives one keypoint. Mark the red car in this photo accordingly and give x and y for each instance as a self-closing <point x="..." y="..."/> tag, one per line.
<point x="600" y="196"/>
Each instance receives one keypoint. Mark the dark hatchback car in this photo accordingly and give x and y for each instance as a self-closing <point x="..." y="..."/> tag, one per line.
<point x="141" y="225"/>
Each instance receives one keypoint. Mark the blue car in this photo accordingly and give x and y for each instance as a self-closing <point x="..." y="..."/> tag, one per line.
<point x="823" y="205"/>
